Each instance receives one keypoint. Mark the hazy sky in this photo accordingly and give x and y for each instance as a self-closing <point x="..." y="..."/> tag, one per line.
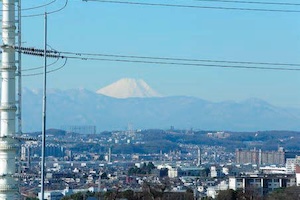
<point x="171" y="32"/>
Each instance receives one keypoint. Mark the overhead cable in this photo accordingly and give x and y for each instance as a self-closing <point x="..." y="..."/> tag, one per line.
<point x="194" y="6"/>
<point x="162" y="60"/>
<point x="184" y="64"/>
<point x="48" y="13"/>
<point x="40" y="6"/>
<point x="35" y="68"/>
<point x="35" y="7"/>
<point x="32" y="49"/>
<point x="50" y="71"/>
<point x="181" y="59"/>
<point x="252" y="2"/>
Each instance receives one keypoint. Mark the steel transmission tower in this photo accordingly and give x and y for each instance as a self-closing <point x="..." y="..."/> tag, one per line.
<point x="8" y="143"/>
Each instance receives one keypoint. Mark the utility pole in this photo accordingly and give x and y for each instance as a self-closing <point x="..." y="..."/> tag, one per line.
<point x="44" y="113"/>
<point x="19" y="114"/>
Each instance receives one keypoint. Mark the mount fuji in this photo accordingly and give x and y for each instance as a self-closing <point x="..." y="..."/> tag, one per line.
<point x="127" y="88"/>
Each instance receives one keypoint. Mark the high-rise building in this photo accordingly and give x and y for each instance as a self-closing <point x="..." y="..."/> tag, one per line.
<point x="259" y="157"/>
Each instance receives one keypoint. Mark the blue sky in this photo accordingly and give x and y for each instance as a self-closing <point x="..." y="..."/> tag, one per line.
<point x="171" y="32"/>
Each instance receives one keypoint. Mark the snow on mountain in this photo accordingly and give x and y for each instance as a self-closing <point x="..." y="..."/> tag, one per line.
<point x="127" y="87"/>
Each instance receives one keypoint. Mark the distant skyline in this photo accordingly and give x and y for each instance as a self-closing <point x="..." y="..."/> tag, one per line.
<point x="171" y="32"/>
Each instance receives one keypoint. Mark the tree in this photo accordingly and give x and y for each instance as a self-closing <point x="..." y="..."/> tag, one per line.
<point x="289" y="193"/>
<point x="130" y="195"/>
<point x="104" y="175"/>
<point x="76" y="196"/>
<point x="250" y="193"/>
<point x="151" y="165"/>
<point x="227" y="195"/>
<point x="79" y="196"/>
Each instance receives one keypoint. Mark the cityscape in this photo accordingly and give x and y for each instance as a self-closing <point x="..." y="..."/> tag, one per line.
<point x="159" y="164"/>
<point x="175" y="100"/>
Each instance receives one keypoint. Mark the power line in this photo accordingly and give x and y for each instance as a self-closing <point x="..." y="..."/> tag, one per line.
<point x="35" y="68"/>
<point x="35" y="7"/>
<point x="184" y="64"/>
<point x="48" y="13"/>
<point x="40" y="6"/>
<point x="181" y="59"/>
<point x="50" y="71"/>
<point x="41" y="52"/>
<point x="162" y="60"/>
<point x="194" y="6"/>
<point x="51" y="52"/>
<point x="35" y="50"/>
<point x="252" y="2"/>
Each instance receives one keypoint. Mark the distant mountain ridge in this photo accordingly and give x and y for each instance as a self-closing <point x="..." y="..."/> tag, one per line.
<point x="84" y="107"/>
<point x="127" y="88"/>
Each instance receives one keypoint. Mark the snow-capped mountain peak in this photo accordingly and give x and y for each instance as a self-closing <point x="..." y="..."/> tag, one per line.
<point x="128" y="87"/>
